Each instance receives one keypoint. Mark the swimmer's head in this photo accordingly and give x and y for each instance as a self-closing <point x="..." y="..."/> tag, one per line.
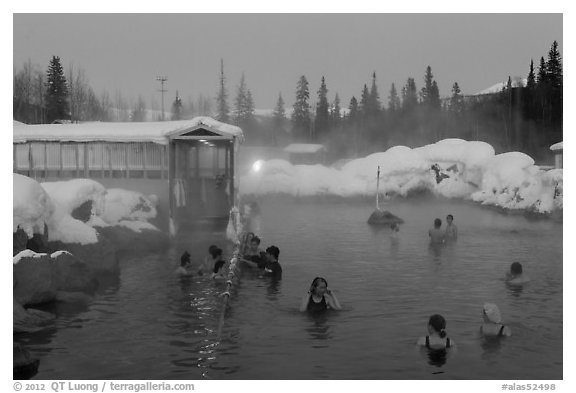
<point x="437" y="223"/>
<point x="185" y="259"/>
<point x="491" y="313"/>
<point x="319" y="285"/>
<point x="438" y="324"/>
<point x="273" y="251"/>
<point x="216" y="252"/>
<point x="449" y="218"/>
<point x="516" y="268"/>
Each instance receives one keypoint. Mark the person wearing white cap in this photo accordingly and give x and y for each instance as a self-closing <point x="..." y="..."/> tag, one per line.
<point x="493" y="325"/>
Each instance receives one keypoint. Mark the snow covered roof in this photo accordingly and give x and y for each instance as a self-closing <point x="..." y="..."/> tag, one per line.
<point x="157" y="132"/>
<point x="557" y="146"/>
<point x="303" y="148"/>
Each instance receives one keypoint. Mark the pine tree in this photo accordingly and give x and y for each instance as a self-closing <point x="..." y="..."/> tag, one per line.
<point x="393" y="100"/>
<point x="222" y="98"/>
<point x="301" y="120"/>
<point x="177" y="108"/>
<point x="322" y="121"/>
<point x="57" y="106"/>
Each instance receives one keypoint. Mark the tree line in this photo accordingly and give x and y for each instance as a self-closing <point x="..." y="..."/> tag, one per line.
<point x="522" y="116"/>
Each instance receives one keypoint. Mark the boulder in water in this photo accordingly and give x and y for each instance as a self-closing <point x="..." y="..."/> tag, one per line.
<point x="383" y="217"/>
<point x="25" y="367"/>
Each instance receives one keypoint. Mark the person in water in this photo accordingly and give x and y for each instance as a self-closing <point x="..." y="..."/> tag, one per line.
<point x="253" y="254"/>
<point x="319" y="298"/>
<point x="272" y="267"/>
<point x="218" y="264"/>
<point x="185" y="265"/>
<point x="437" y="236"/>
<point x="451" y="229"/>
<point x="516" y="276"/>
<point x="437" y="337"/>
<point x="208" y="262"/>
<point x="493" y="326"/>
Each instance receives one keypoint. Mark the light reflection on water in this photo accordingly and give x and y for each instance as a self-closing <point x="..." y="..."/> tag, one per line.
<point x="152" y="325"/>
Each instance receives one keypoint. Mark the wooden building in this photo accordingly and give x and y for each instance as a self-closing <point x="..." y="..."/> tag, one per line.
<point x="188" y="164"/>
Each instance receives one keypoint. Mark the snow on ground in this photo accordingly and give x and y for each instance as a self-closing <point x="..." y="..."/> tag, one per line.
<point x="52" y="203"/>
<point x="469" y="170"/>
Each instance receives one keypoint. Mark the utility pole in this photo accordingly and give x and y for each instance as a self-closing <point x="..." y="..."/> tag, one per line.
<point x="162" y="79"/>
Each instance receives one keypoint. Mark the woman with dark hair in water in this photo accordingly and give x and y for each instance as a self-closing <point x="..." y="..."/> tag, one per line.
<point x="437" y="338"/>
<point x="319" y="298"/>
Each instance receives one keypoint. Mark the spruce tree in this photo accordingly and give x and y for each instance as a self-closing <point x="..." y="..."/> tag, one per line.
<point x="222" y="99"/>
<point x="554" y="67"/>
<point x="393" y="100"/>
<point x="322" y="121"/>
<point x="279" y="118"/>
<point x="531" y="79"/>
<point x="374" y="105"/>
<point x="353" y="110"/>
<point x="430" y="94"/>
<point x="301" y="120"/>
<point x="57" y="106"/>
<point x="456" y="100"/>
<point x="409" y="96"/>
<point x="177" y="108"/>
<point x="240" y="103"/>
<point x="335" y="111"/>
<point x="364" y="107"/>
<point x="542" y="73"/>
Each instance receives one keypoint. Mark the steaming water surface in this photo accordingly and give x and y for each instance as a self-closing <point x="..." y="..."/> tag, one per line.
<point x="153" y="325"/>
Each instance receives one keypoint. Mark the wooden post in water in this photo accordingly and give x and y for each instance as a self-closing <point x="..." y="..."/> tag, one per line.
<point x="378" y="189"/>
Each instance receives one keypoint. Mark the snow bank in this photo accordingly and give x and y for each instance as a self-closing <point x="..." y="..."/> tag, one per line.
<point x="52" y="203"/>
<point x="453" y="168"/>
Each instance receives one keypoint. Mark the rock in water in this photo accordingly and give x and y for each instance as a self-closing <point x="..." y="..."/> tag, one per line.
<point x="383" y="217"/>
<point x="24" y="366"/>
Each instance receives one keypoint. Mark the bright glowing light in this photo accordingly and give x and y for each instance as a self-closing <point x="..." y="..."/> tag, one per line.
<point x="257" y="166"/>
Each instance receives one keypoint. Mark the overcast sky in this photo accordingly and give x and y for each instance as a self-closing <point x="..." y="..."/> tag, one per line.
<point x="127" y="51"/>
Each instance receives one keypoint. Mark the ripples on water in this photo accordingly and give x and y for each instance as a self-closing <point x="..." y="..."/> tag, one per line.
<point x="153" y="325"/>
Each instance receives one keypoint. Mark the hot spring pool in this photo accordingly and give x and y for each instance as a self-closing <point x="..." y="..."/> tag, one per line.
<point x="153" y="325"/>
